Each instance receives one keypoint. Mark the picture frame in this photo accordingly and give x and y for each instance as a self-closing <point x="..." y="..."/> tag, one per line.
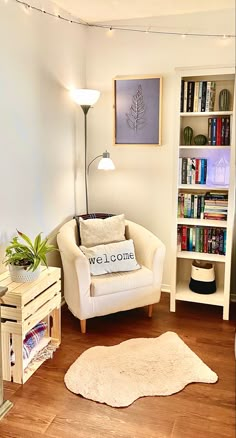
<point x="137" y="110"/>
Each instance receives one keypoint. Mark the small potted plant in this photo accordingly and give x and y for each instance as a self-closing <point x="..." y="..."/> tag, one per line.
<point x="24" y="257"/>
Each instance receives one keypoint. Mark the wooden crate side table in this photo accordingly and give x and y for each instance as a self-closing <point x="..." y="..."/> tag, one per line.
<point x="23" y="306"/>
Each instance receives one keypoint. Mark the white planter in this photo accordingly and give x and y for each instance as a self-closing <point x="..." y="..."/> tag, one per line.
<point x="19" y="274"/>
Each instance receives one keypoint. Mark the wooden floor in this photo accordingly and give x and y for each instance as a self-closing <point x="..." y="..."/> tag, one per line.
<point x="44" y="408"/>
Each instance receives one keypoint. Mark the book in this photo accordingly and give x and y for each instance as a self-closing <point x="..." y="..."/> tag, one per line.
<point x="184" y="238"/>
<point x="213" y="131"/>
<point x="190" y="96"/>
<point x="209" y="130"/>
<point x="218" y="131"/>
<point x="208" y="91"/>
<point x="185" y="96"/>
<point x="182" y="96"/>
<point x="203" y="100"/>
<point x="200" y="96"/>
<point x="210" y="103"/>
<point x="195" y="100"/>
<point x="184" y="171"/>
<point x="227" y="131"/>
<point x="222" y="138"/>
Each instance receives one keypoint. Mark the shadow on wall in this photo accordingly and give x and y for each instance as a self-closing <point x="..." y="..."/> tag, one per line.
<point x="53" y="259"/>
<point x="4" y="242"/>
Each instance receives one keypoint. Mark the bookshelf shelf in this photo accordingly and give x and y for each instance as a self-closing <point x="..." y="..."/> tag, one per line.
<point x="192" y="255"/>
<point x="205" y="183"/>
<point x="204" y="147"/>
<point x="183" y="293"/>
<point x="201" y="222"/>
<point x="202" y="187"/>
<point x="207" y="114"/>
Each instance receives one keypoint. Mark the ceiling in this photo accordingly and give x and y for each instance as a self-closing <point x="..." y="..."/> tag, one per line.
<point x="109" y="10"/>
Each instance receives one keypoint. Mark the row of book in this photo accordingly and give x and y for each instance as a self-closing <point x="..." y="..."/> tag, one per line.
<point x="202" y="239"/>
<point x="202" y="206"/>
<point x="197" y="96"/>
<point x="219" y="131"/>
<point x="216" y="206"/>
<point x="192" y="170"/>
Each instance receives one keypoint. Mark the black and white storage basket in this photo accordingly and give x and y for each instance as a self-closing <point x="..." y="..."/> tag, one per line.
<point x="202" y="278"/>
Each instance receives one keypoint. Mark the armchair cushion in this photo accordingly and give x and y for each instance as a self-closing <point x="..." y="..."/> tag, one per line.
<point x="113" y="257"/>
<point x="109" y="284"/>
<point x="101" y="231"/>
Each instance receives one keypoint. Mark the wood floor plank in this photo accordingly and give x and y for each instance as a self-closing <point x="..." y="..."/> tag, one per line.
<point x="196" y="426"/>
<point x="29" y="415"/>
<point x="197" y="410"/>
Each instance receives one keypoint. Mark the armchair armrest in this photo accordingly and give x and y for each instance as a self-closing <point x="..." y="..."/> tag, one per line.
<point x="149" y="249"/>
<point x="75" y="264"/>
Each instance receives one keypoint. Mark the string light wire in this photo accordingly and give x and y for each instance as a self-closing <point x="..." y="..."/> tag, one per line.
<point x="121" y="28"/>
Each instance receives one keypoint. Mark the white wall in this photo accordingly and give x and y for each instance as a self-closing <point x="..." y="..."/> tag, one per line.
<point x="40" y="58"/>
<point x="39" y="126"/>
<point x="142" y="184"/>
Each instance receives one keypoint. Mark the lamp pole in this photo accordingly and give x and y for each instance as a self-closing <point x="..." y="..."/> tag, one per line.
<point x="85" y="109"/>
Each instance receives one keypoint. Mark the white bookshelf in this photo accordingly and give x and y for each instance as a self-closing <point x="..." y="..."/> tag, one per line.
<point x="198" y="121"/>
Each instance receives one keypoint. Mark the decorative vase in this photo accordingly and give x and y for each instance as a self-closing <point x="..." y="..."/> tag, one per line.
<point x="200" y="139"/>
<point x="20" y="274"/>
<point x="224" y="97"/>
<point x="188" y="135"/>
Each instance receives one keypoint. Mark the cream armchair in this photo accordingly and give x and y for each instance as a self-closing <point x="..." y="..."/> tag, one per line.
<point x="89" y="296"/>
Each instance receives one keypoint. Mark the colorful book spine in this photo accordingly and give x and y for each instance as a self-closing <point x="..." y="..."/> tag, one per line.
<point x="208" y="92"/>
<point x="200" y="97"/>
<point x="195" y="100"/>
<point x="227" y="131"/>
<point x="218" y="131"/>
<point x="203" y="101"/>
<point x="213" y="131"/>
<point x="190" y="96"/>
<point x="182" y="96"/>
<point x="209" y="131"/>
<point x="212" y="96"/>
<point x="185" y="96"/>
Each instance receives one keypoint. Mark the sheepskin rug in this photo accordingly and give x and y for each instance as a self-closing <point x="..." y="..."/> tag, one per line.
<point x="120" y="374"/>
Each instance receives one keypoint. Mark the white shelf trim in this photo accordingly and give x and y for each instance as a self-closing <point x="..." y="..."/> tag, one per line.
<point x="183" y="293"/>
<point x="202" y="146"/>
<point x="202" y="187"/>
<point x="201" y="256"/>
<point x="202" y="222"/>
<point x="207" y="114"/>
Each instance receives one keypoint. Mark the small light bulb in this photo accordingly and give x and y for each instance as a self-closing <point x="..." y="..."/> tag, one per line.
<point x="183" y="35"/>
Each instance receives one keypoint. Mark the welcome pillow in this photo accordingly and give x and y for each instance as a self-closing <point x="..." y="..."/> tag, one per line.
<point x="113" y="257"/>
<point x="100" y="231"/>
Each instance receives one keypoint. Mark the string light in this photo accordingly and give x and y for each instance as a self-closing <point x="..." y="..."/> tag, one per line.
<point x="121" y="28"/>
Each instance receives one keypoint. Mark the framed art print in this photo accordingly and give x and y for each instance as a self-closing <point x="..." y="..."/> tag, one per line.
<point x="137" y="110"/>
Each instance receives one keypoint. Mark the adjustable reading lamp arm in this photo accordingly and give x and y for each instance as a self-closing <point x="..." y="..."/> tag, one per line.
<point x="98" y="156"/>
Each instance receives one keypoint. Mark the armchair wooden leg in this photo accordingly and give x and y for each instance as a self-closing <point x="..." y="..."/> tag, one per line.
<point x="83" y="325"/>
<point x="150" y="310"/>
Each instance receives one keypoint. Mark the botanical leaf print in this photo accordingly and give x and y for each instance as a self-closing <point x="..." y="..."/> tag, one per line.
<point x="135" y="116"/>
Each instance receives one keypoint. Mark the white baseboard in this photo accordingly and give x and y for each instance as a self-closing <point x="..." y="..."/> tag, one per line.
<point x="233" y="298"/>
<point x="165" y="288"/>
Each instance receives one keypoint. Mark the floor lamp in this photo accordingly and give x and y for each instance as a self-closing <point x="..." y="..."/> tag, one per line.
<point x="86" y="98"/>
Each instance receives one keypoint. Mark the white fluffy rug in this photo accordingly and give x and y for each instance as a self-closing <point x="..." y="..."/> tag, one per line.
<point x="120" y="374"/>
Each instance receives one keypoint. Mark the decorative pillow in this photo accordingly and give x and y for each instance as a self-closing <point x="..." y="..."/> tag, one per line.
<point x="113" y="257"/>
<point x="100" y="231"/>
